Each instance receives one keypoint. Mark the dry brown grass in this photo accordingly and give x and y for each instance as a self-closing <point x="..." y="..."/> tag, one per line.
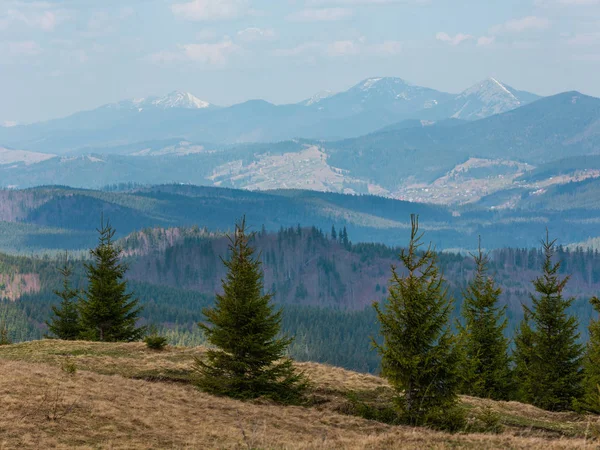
<point x="110" y="403"/>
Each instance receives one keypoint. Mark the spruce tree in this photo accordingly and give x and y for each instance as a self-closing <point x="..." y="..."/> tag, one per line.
<point x="65" y="323"/>
<point x="248" y="359"/>
<point x="419" y="354"/>
<point x="591" y="366"/>
<point x="4" y="337"/>
<point x="487" y="370"/>
<point x="547" y="355"/>
<point x="108" y="312"/>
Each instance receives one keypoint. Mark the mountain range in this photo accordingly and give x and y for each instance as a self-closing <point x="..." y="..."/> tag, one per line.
<point x="368" y="106"/>
<point x="491" y="147"/>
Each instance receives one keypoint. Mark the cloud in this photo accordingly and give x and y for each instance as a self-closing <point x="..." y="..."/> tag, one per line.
<point x="206" y="35"/>
<point x="40" y="15"/>
<point x="298" y="50"/>
<point x="349" y="47"/>
<point x="485" y="40"/>
<point x="567" y="2"/>
<point x="17" y="49"/>
<point x="125" y="12"/>
<point x="521" y="25"/>
<point x="585" y="39"/>
<point x="387" y="48"/>
<point x="28" y="48"/>
<point x="210" y="54"/>
<point x="369" y="2"/>
<point x="254" y="34"/>
<point x="453" y="40"/>
<point x="205" y="10"/>
<point x="320" y="15"/>
<point x="343" y="48"/>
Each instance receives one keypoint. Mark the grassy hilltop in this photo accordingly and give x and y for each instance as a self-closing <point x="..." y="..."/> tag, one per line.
<point x="127" y="396"/>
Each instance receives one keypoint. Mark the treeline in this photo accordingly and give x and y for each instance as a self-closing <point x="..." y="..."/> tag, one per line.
<point x="428" y="364"/>
<point x="325" y="287"/>
<point x="431" y="349"/>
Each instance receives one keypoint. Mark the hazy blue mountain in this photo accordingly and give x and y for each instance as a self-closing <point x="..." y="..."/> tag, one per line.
<point x="423" y="161"/>
<point x="482" y="100"/>
<point x="548" y="129"/>
<point x="380" y="94"/>
<point x="370" y="105"/>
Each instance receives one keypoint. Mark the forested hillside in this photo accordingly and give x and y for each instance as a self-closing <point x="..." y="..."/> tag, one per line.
<point x="55" y="218"/>
<point x="325" y="285"/>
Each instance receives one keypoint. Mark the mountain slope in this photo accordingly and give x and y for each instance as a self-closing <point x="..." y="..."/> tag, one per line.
<point x="551" y="128"/>
<point x="364" y="108"/>
<point x="389" y="94"/>
<point x="126" y="393"/>
<point x="485" y="99"/>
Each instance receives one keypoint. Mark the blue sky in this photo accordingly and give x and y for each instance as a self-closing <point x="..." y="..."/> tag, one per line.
<point x="58" y="57"/>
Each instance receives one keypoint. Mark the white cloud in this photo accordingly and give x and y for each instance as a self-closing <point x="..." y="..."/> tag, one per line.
<point x="254" y="34"/>
<point x="485" y="40"/>
<point x="42" y="16"/>
<point x="585" y="39"/>
<point x="566" y="2"/>
<point x="20" y="48"/>
<point x="210" y="54"/>
<point x="349" y="47"/>
<point x="343" y="48"/>
<point x="298" y="50"/>
<point x="520" y="25"/>
<point x="453" y="40"/>
<point x="125" y="13"/>
<point x="387" y="48"/>
<point x="321" y="15"/>
<point x="203" y="10"/>
<point x="206" y="35"/>
<point x="29" y="48"/>
<point x="367" y="2"/>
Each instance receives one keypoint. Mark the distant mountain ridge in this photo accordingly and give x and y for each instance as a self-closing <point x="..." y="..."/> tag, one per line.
<point x="450" y="161"/>
<point x="487" y="98"/>
<point x="175" y="99"/>
<point x="364" y="108"/>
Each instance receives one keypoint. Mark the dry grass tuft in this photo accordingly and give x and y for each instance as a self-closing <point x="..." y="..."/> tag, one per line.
<point x="113" y="401"/>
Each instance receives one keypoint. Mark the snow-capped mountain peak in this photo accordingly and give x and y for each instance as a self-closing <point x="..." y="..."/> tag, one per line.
<point x="489" y="97"/>
<point x="490" y="89"/>
<point x="381" y="83"/>
<point x="174" y="100"/>
<point x="178" y="99"/>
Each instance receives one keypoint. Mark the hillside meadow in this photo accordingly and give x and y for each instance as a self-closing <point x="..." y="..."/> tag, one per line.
<point x="58" y="394"/>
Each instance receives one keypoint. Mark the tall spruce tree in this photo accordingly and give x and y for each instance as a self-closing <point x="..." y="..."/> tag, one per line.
<point x="419" y="354"/>
<point x="108" y="312"/>
<point x="487" y="364"/>
<point x="548" y="355"/>
<point x="65" y="323"/>
<point x="248" y="360"/>
<point x="591" y="366"/>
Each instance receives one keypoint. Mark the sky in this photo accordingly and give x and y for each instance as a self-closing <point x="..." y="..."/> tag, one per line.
<point x="59" y="57"/>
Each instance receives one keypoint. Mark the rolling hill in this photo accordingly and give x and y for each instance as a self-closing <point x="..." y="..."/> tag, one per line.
<point x="126" y="396"/>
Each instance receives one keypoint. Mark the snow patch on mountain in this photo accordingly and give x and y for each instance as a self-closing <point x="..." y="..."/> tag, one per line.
<point x="179" y="99"/>
<point x="10" y="156"/>
<point x="487" y="98"/>
<point x="319" y="96"/>
<point x="174" y="100"/>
